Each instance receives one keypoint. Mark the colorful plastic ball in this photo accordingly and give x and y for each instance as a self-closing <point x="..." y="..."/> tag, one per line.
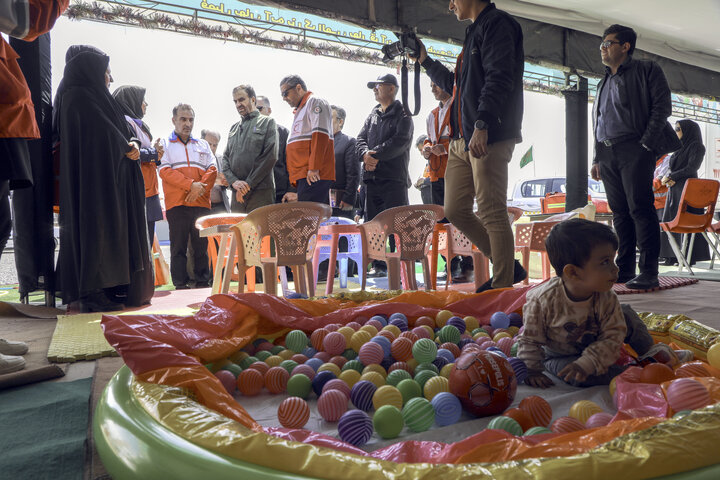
<point x="514" y="349"/>
<point x="375" y="368"/>
<point x="296" y="340"/>
<point x="424" y="320"/>
<point x="336" y="384"/>
<point x="446" y="354"/>
<point x="397" y="376"/>
<point x="379" y="318"/>
<point x="515" y="319"/>
<point x="584" y="409"/>
<point x="332" y="327"/>
<point x="452" y="348"/>
<point x="293" y="412"/>
<point x="371" y="352"/>
<point x="314" y="363"/>
<point x="353" y="365"/>
<point x="299" y="358"/>
<point x="499" y="320"/>
<point x="350" y="354"/>
<point x="434" y="386"/>
<point x="304" y="370"/>
<point x="447" y="408"/>
<point x="442" y="317"/>
<point x="484" y="383"/>
<point x="276" y="380"/>
<point x="347" y="332"/>
<point x="567" y="425"/>
<point x="656" y="373"/>
<point x="422" y="332"/>
<point x="500" y="335"/>
<point x="465" y="339"/>
<point x="339" y="360"/>
<point x="424" y="350"/>
<point x="449" y="333"/>
<point x="713" y="355"/>
<point x="536" y="431"/>
<point x="401" y="349"/>
<point x="418" y="414"/>
<point x="286" y="354"/>
<point x="355" y="427"/>
<point x="334" y="343"/>
<point x="687" y="394"/>
<point x="387" y="363"/>
<point x="508" y="424"/>
<point x="409" y="389"/>
<point x="427" y="366"/>
<point x="521" y="417"/>
<point x="439" y="362"/>
<point x="519" y="368"/>
<point x="388" y="334"/>
<point x="505" y="344"/>
<point x="317" y="337"/>
<point x="445" y="371"/>
<point x="681" y="414"/>
<point x="361" y="395"/>
<point x="249" y="360"/>
<point x="320" y="380"/>
<point x="599" y="419"/>
<point x="299" y="385"/>
<point x="238" y="356"/>
<point x="354" y="325"/>
<point x="369" y="329"/>
<point x="331" y="405"/>
<point x="458" y="323"/>
<point x="410" y="335"/>
<point x="288" y="365"/>
<point x="309" y="352"/>
<point x="388" y="421"/>
<point x="387" y="395"/>
<point x="323" y="356"/>
<point x="385" y="343"/>
<point x="400" y="324"/>
<point x="694" y="369"/>
<point x="400" y="366"/>
<point x="275" y="350"/>
<point x="412" y="365"/>
<point x="331" y="367"/>
<point x="261" y="367"/>
<point x="422" y="377"/>
<point x="228" y="380"/>
<point x="250" y="382"/>
<point x="496" y="351"/>
<point x="373" y="377"/>
<point x="350" y="377"/>
<point x="358" y="339"/>
<point x="538" y="408"/>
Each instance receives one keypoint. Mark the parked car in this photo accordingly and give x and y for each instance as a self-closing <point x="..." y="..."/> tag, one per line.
<point x="526" y="194"/>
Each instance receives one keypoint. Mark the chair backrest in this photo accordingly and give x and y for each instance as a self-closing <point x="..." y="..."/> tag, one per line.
<point x="514" y="213"/>
<point x="292" y="226"/>
<point x="338" y="221"/>
<point x="699" y="194"/>
<point x="555" y="202"/>
<point x="207" y="221"/>
<point x="533" y="234"/>
<point x="412" y="224"/>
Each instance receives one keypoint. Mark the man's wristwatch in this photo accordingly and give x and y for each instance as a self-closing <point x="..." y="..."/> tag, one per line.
<point x="481" y="125"/>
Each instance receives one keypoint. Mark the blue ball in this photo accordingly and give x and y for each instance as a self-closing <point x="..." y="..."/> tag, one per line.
<point x="465" y="341"/>
<point x="400" y="323"/>
<point x="520" y="369"/>
<point x="499" y="320"/>
<point x="446" y="354"/>
<point x="355" y="427"/>
<point x="384" y="343"/>
<point x="515" y="320"/>
<point x="309" y="352"/>
<point x="314" y="363"/>
<point x="447" y="408"/>
<point x="496" y="351"/>
<point x="380" y="318"/>
<point x="319" y="381"/>
<point x="398" y="315"/>
<point x="361" y="395"/>
<point x="458" y="323"/>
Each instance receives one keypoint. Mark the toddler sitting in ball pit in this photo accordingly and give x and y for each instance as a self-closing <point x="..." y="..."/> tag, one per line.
<point x="574" y="323"/>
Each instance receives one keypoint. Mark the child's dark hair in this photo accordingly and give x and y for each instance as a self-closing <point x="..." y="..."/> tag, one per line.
<point x="571" y="242"/>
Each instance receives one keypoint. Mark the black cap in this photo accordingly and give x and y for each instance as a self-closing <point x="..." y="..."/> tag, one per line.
<point x="387" y="78"/>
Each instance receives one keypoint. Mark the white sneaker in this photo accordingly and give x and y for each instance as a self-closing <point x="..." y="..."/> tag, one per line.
<point x="12" y="348"/>
<point x="11" y="363"/>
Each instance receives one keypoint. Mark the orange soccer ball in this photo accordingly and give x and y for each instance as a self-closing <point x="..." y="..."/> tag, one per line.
<point x="484" y="383"/>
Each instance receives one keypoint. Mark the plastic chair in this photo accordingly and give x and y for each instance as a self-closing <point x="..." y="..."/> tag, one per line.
<point x="293" y="228"/>
<point x="336" y="228"/>
<point x="162" y="271"/>
<point x="411" y="225"/>
<point x="700" y="194"/>
<point x="530" y="237"/>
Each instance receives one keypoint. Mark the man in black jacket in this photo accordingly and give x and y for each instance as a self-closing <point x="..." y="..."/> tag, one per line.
<point x="280" y="173"/>
<point x="347" y="166"/>
<point x="486" y="119"/>
<point x="383" y="144"/>
<point x="631" y="131"/>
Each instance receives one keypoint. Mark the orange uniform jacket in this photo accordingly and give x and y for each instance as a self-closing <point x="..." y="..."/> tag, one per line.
<point x="438" y="128"/>
<point x="310" y="143"/>
<point x="183" y="164"/>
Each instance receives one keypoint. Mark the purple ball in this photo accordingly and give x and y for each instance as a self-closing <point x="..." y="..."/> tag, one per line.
<point x="380" y="318"/>
<point x="446" y="354"/>
<point x="440" y="362"/>
<point x="465" y="341"/>
<point x="361" y="395"/>
<point x="520" y="369"/>
<point x="400" y="323"/>
<point x="387" y="362"/>
<point x="320" y="380"/>
<point x="458" y="323"/>
<point x="309" y="352"/>
<point x="515" y="320"/>
<point x="499" y="320"/>
<point x="355" y="427"/>
<point x="384" y="343"/>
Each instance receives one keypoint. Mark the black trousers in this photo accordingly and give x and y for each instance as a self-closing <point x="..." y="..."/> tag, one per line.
<point x="181" y="223"/>
<point x="381" y="194"/>
<point x="627" y="173"/>
<point x="5" y="217"/>
<point x="316" y="192"/>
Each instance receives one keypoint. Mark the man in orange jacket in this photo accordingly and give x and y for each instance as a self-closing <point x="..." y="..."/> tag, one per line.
<point x="188" y="173"/>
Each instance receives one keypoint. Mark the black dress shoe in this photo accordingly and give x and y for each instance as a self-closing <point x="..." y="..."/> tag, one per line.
<point x="464" y="276"/>
<point x="202" y="284"/>
<point x="99" y="302"/>
<point x="644" y="281"/>
<point x="625" y="277"/>
<point x="669" y="262"/>
<point x="519" y="274"/>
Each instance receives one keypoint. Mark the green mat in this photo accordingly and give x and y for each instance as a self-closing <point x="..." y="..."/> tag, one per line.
<point x="44" y="429"/>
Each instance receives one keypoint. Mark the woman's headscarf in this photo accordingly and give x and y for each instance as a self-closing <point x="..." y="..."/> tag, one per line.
<point x="692" y="144"/>
<point x="130" y="98"/>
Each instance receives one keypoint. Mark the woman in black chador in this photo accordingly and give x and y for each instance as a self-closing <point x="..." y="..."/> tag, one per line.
<point x="104" y="260"/>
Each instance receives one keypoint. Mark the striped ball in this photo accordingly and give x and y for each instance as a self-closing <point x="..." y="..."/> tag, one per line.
<point x="337" y="384"/>
<point x="538" y="408"/>
<point x="400" y="323"/>
<point x="508" y="424"/>
<point x="374" y="367"/>
<point x="330" y="367"/>
<point x="288" y="365"/>
<point x="293" y="412"/>
<point x="584" y="409"/>
<point x="421" y="332"/>
<point x="350" y="377"/>
<point x="299" y="358"/>
<point x="317" y="338"/>
<point x="505" y="344"/>
<point x="228" y="380"/>
<point x="425" y="320"/>
<point x="442" y="318"/>
<point x="353" y="365"/>
<point x="334" y="343"/>
<point x="687" y="394"/>
<point x="354" y="325"/>
<point x="355" y="427"/>
<point x="339" y="360"/>
<point x="449" y="334"/>
<point x="598" y="420"/>
<point x="358" y="339"/>
<point x="332" y="404"/>
<point x="413" y="338"/>
<point x="397" y="376"/>
<point x="471" y="323"/>
<point x="250" y="382"/>
<point x="448" y="408"/>
<point x="567" y="425"/>
<point x="371" y="352"/>
<point x="400" y="366"/>
<point x="458" y="323"/>
<point x="418" y="414"/>
<point x="286" y="354"/>
<point x="422" y="377"/>
<point x="452" y="348"/>
<point x="387" y="395"/>
<point x="347" y="332"/>
<point x="314" y="363"/>
<point x="296" y="341"/>
<point x="276" y="379"/>
<point x="389" y="334"/>
<point x="370" y="329"/>
<point x="272" y="360"/>
<point x="384" y="342"/>
<point x="373" y="377"/>
<point x="515" y="319"/>
<point x="694" y="369"/>
<point x="446" y="354"/>
<point x="401" y="349"/>
<point x="520" y="369"/>
<point x="537" y="431"/>
<point x="361" y="395"/>
<point x="321" y="378"/>
<point x="424" y="350"/>
<point x="434" y="386"/>
<point x="261" y="367"/>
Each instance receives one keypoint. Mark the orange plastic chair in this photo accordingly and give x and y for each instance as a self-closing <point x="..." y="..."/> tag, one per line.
<point x="162" y="272"/>
<point x="555" y="202"/>
<point x="293" y="228"/>
<point x="530" y="237"/>
<point x="412" y="225"/>
<point x="700" y="194"/>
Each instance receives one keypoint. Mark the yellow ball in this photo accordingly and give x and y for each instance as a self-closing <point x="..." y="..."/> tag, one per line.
<point x="434" y="386"/>
<point x="501" y="335"/>
<point x="429" y="330"/>
<point x="480" y="334"/>
<point x="713" y="355"/>
<point x="445" y="370"/>
<point x="286" y="354"/>
<point x="387" y="395"/>
<point x="347" y="332"/>
<point x="442" y="317"/>
<point x="370" y="329"/>
<point x="351" y="377"/>
<point x="584" y="409"/>
<point x="359" y="338"/>
<point x="412" y="363"/>
<point x="238" y="357"/>
<point x="513" y="330"/>
<point x="273" y="360"/>
<point x="374" y="378"/>
<point x="393" y="329"/>
<point x="374" y="367"/>
<point x="612" y="386"/>
<point x="471" y="323"/>
<point x="330" y="367"/>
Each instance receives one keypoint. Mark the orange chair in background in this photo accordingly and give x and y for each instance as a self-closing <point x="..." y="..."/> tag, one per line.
<point x="530" y="237"/>
<point x="162" y="272"/>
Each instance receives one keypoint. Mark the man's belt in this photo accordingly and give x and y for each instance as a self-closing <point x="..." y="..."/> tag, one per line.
<point x="615" y="141"/>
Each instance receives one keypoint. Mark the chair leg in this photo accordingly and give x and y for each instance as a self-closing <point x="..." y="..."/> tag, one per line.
<point x="315" y="264"/>
<point x="411" y="277"/>
<point x="545" y="265"/>
<point x="308" y="275"/>
<point x="219" y="261"/>
<point x="230" y="266"/>
<point x="362" y="271"/>
<point x="241" y="283"/>
<point x="714" y="246"/>
<point x="427" y="274"/>
<point x="283" y="278"/>
<point x="678" y="254"/>
<point x="394" y="282"/>
<point x="343" y="273"/>
<point x="481" y="267"/>
<point x="250" y="279"/>
<point x="269" y="279"/>
<point x="434" y="259"/>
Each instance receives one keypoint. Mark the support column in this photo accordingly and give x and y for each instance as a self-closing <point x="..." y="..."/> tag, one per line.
<point x="576" y="144"/>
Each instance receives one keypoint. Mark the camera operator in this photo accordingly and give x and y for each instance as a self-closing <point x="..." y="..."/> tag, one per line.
<point x="486" y="119"/>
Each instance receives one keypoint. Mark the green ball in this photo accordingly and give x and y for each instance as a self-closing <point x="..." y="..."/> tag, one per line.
<point x="296" y="341"/>
<point x="409" y="389"/>
<point x="508" y="424"/>
<point x="681" y="414"/>
<point x="418" y="414"/>
<point x="277" y="349"/>
<point x="289" y="365"/>
<point x="513" y="349"/>
<point x="350" y="354"/>
<point x="477" y="330"/>
<point x="353" y="365"/>
<point x="427" y="366"/>
<point x="233" y="368"/>
<point x="537" y="431"/>
<point x="424" y="376"/>
<point x="299" y="385"/>
<point x="247" y="361"/>
<point x="397" y="376"/>
<point x="263" y="355"/>
<point x="449" y="333"/>
<point x="388" y="421"/>
<point x="424" y="350"/>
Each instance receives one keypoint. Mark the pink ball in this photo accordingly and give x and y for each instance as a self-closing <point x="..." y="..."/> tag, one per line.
<point x="337" y="384"/>
<point x="339" y="360"/>
<point x="276" y="379"/>
<point x="354" y="325"/>
<point x="566" y="425"/>
<point x="299" y="358"/>
<point x="598" y="420"/>
<point x="488" y="344"/>
<point x="333" y="327"/>
<point x="324" y="356"/>
<point x="421" y="332"/>
<point x="332" y="404"/>
<point x="293" y="412"/>
<point x="371" y="352"/>
<point x="264" y="346"/>
<point x="334" y="343"/>
<point x="505" y="344"/>
<point x="317" y="337"/>
<point x="481" y="340"/>
<point x="306" y="370"/>
<point x="227" y="379"/>
<point x="375" y="323"/>
<point x="687" y="394"/>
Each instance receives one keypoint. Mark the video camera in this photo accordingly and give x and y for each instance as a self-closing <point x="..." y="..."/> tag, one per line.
<point x="407" y="43"/>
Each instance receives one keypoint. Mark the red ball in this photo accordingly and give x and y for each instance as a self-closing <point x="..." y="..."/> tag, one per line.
<point x="299" y="358"/>
<point x="324" y="356"/>
<point x="408" y="334"/>
<point x="317" y="337"/>
<point x="293" y="412"/>
<point x="656" y="373"/>
<point x="276" y="379"/>
<point x="338" y="360"/>
<point x="567" y="425"/>
<point x="261" y="367"/>
<point x="695" y="369"/>
<point x="387" y="334"/>
<point x="400" y="366"/>
<point x="250" y="382"/>
<point x="332" y="404"/>
<point x="484" y="383"/>
<point x="538" y="408"/>
<point x="401" y="349"/>
<point x="522" y="417"/>
<point x="454" y="349"/>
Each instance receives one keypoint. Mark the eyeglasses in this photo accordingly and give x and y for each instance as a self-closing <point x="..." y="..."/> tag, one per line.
<point x="260" y="107"/>
<point x="286" y="92"/>
<point x="606" y="44"/>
